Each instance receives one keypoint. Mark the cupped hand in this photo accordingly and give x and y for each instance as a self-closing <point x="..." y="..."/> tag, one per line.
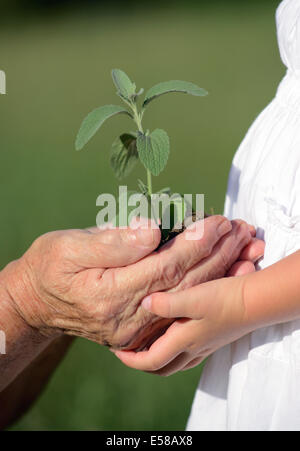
<point x="90" y="283"/>
<point x="209" y="316"/>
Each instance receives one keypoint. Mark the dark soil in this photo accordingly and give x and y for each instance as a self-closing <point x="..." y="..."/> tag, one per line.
<point x="167" y="235"/>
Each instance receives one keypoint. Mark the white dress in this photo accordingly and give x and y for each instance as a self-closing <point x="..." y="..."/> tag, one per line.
<point x="254" y="383"/>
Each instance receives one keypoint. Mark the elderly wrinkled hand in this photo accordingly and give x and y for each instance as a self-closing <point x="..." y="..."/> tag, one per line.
<point x="90" y="283"/>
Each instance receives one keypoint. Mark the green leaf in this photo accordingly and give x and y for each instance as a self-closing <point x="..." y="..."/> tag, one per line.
<point x="173" y="86"/>
<point x="93" y="122"/>
<point x="124" y="155"/>
<point x="123" y="84"/>
<point x="154" y="150"/>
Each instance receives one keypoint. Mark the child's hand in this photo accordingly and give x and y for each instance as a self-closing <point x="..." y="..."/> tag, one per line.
<point x="212" y="315"/>
<point x="249" y="256"/>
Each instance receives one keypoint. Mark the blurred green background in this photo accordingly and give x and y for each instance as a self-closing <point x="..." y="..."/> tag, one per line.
<point x="57" y="58"/>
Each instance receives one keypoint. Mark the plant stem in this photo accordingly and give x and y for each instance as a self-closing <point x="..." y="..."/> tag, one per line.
<point x="138" y="121"/>
<point x="149" y="182"/>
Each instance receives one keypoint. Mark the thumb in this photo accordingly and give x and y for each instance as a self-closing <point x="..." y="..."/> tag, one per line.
<point x="190" y="303"/>
<point x="120" y="246"/>
<point x="166" y="305"/>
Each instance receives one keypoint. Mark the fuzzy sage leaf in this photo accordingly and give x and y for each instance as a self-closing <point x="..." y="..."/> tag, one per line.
<point x="154" y="150"/>
<point x="124" y="155"/>
<point x="173" y="86"/>
<point x="151" y="148"/>
<point x="124" y="85"/>
<point x="93" y="122"/>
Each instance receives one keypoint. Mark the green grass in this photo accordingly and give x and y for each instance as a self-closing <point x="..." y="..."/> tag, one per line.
<point x="58" y="69"/>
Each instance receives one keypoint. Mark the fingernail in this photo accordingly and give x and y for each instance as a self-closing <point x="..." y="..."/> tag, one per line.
<point x="146" y="304"/>
<point x="251" y="228"/>
<point x="224" y="227"/>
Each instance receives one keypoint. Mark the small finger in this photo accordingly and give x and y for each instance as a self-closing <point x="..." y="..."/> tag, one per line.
<point x="250" y="227"/>
<point x="193" y="363"/>
<point x="164" y="350"/>
<point x="253" y="251"/>
<point x="241" y="268"/>
<point x="174" y="366"/>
